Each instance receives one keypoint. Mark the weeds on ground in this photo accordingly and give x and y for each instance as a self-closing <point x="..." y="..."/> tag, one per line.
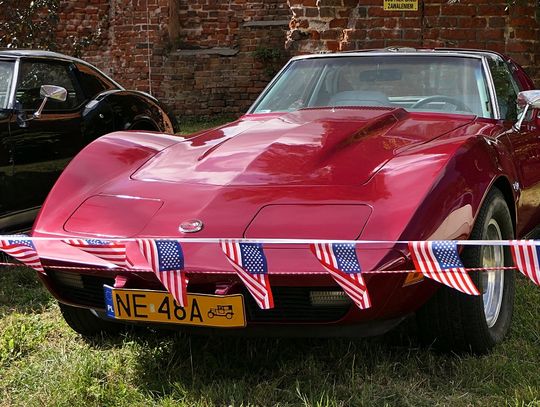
<point x="43" y="362"/>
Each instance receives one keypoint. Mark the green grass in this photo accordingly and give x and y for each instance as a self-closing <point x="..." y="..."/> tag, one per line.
<point x="194" y="124"/>
<point x="43" y="362"/>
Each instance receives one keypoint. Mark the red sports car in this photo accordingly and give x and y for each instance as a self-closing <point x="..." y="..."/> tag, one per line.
<point x="392" y="145"/>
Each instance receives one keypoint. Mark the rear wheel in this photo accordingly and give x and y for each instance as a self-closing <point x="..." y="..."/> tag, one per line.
<point x="451" y="320"/>
<point x="143" y="126"/>
<point x="82" y="320"/>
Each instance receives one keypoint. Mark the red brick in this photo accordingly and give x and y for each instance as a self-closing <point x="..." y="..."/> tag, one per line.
<point x="339" y="23"/>
<point x="526" y="33"/>
<point x="411" y="34"/>
<point x="455" y="34"/>
<point x="468" y="22"/>
<point x="491" y="34"/>
<point x="458" y="9"/>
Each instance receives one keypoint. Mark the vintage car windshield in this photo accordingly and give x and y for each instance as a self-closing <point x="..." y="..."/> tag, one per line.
<point x="6" y="79"/>
<point x="446" y="84"/>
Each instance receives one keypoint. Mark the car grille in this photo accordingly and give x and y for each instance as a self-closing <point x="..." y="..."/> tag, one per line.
<point x="292" y="304"/>
<point x="80" y="288"/>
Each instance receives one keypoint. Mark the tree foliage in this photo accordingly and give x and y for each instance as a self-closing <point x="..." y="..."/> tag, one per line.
<point x="28" y="24"/>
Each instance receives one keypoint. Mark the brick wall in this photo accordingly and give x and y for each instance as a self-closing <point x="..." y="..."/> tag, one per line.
<point x="203" y="57"/>
<point x="485" y="24"/>
<point x="206" y="56"/>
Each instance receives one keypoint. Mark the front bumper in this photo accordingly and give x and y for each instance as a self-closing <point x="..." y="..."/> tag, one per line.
<point x="295" y="313"/>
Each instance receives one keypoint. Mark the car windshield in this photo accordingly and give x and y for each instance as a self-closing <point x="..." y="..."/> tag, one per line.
<point x="446" y="84"/>
<point x="6" y="76"/>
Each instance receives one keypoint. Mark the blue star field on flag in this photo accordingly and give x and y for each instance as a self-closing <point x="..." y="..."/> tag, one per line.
<point x="253" y="259"/>
<point x="346" y="257"/>
<point x="447" y="255"/>
<point x="170" y="255"/>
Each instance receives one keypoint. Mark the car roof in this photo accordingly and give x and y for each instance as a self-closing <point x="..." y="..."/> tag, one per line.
<point x="38" y="53"/>
<point x="464" y="52"/>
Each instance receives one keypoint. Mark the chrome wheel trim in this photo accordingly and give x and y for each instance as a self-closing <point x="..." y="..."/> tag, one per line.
<point x="493" y="280"/>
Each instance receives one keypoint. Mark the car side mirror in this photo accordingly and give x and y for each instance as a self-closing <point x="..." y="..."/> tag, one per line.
<point x="528" y="99"/>
<point x="47" y="92"/>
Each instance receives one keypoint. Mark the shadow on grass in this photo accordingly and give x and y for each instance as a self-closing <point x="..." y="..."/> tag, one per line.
<point x="21" y="291"/>
<point x="168" y="367"/>
<point x="261" y="371"/>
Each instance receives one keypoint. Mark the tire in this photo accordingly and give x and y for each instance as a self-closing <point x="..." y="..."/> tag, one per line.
<point x="454" y="321"/>
<point x="82" y="321"/>
<point x="143" y="126"/>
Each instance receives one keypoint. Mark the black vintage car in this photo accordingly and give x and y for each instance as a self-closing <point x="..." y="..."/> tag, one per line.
<point x="51" y="106"/>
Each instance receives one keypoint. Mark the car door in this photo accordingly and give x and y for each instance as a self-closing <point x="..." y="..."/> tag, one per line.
<point x="525" y="143"/>
<point x="42" y="147"/>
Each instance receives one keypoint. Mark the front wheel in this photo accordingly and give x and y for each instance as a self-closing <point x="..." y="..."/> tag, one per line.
<point x="454" y="321"/>
<point x="82" y="320"/>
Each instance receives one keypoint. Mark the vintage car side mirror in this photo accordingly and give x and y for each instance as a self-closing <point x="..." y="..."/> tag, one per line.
<point x="50" y="92"/>
<point x="526" y="100"/>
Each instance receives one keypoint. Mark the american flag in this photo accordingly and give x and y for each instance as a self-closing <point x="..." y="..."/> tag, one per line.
<point x="113" y="252"/>
<point x="439" y="260"/>
<point x="341" y="261"/>
<point x="167" y="261"/>
<point x="24" y="251"/>
<point x="249" y="261"/>
<point x="526" y="254"/>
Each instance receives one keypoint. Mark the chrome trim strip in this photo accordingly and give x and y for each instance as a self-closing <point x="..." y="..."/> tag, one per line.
<point x="491" y="88"/>
<point x="388" y="53"/>
<point x="11" y="101"/>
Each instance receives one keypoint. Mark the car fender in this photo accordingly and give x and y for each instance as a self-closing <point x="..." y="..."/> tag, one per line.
<point x="435" y="190"/>
<point x="454" y="200"/>
<point x="449" y="181"/>
<point x="102" y="161"/>
<point x="130" y="107"/>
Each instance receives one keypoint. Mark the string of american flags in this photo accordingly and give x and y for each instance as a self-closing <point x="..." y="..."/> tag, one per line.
<point x="434" y="259"/>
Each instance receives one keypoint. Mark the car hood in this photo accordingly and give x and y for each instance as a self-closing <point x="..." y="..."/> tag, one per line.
<point x="339" y="146"/>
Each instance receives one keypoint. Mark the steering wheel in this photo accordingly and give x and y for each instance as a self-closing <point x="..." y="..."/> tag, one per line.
<point x="442" y="98"/>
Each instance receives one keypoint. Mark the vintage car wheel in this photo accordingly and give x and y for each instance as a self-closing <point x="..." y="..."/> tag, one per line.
<point x="84" y="322"/>
<point x="455" y="321"/>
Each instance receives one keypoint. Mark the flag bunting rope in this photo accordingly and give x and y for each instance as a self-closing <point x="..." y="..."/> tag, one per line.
<point x="437" y="260"/>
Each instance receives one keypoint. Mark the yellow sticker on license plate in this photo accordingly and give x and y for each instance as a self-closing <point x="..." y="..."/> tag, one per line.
<point x="221" y="311"/>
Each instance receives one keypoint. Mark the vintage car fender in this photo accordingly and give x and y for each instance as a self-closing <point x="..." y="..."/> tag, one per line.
<point x="449" y="180"/>
<point x="132" y="110"/>
<point x="474" y="164"/>
<point x="109" y="156"/>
